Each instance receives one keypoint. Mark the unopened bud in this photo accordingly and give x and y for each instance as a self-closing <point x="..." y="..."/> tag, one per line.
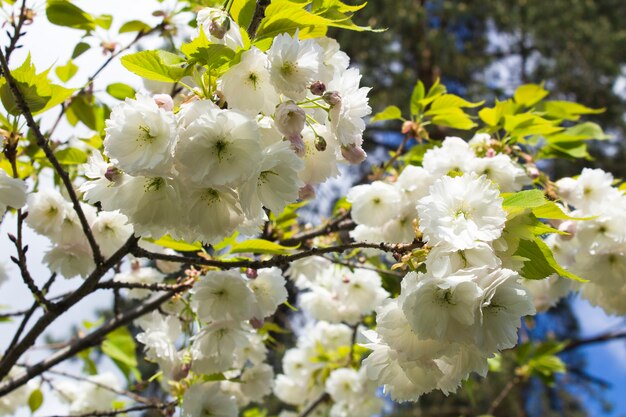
<point x="568" y="226"/>
<point x="108" y="47"/>
<point x="307" y="192"/>
<point x="318" y="88"/>
<point x="164" y="101"/>
<point x="297" y="144"/>
<point x="219" y="26"/>
<point x="532" y="171"/>
<point x="256" y="323"/>
<point x="113" y="174"/>
<point x="320" y="143"/>
<point x="251" y="273"/>
<point x="353" y="154"/>
<point x="490" y="153"/>
<point x="289" y="118"/>
<point x="410" y="128"/>
<point x="332" y="97"/>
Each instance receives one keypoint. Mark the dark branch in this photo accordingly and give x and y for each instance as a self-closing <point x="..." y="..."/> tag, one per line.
<point x="574" y="344"/>
<point x="17" y="31"/>
<point x="162" y="407"/>
<point x="257" y="17"/>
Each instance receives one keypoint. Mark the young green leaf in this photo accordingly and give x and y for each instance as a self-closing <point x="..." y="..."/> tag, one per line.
<point x="67" y="71"/>
<point x="120" y="91"/>
<point x="64" y="13"/>
<point x="390" y="113"/>
<point x="156" y="65"/>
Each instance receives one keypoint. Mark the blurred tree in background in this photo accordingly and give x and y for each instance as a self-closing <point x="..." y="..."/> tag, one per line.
<point x="487" y="48"/>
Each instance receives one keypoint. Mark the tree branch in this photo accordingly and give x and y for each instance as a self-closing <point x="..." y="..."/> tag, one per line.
<point x="574" y="344"/>
<point x="12" y="355"/>
<point x="312" y="406"/>
<point x="279" y="260"/>
<point x="92" y="339"/>
<point x="257" y="17"/>
<point x="17" y="31"/>
<point x="42" y="142"/>
<point x="341" y="223"/>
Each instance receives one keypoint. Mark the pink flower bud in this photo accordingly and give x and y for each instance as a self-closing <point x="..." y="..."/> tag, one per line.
<point x="113" y="174"/>
<point x="289" y="119"/>
<point x="251" y="273"/>
<point x="318" y="88"/>
<point x="164" y="101"/>
<point x="490" y="153"/>
<point x="353" y="154"/>
<point x="307" y="192"/>
<point x="568" y="226"/>
<point x="297" y="144"/>
<point x="332" y="97"/>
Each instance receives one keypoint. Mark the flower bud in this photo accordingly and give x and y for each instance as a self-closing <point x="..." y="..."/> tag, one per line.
<point x="251" y="273"/>
<point x="532" y="171"/>
<point x="164" y="101"/>
<point x="332" y="97"/>
<point x="320" y="143"/>
<point x="289" y="119"/>
<point x="318" y="88"/>
<point x="297" y="144"/>
<point x="219" y="26"/>
<point x="113" y="174"/>
<point x="353" y="154"/>
<point x="307" y="192"/>
<point x="568" y="226"/>
<point x="490" y="153"/>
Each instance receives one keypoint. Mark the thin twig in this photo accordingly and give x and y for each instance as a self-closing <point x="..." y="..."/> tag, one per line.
<point x="126" y="393"/>
<point x="341" y="223"/>
<point x="502" y="395"/>
<point x="368" y="268"/>
<point x="162" y="407"/>
<point x="606" y="337"/>
<point x="17" y="31"/>
<point x="312" y="406"/>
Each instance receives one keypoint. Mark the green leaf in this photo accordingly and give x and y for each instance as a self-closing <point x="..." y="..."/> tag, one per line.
<point x="134" y="26"/>
<point x="35" y="400"/>
<point x="450" y="101"/>
<point x="67" y="71"/>
<point x="261" y="246"/>
<point x="71" y="156"/>
<point x="119" y="345"/>
<point x="79" y="49"/>
<point x="524" y="199"/>
<point x="242" y="12"/>
<point x="566" y="110"/>
<point x="218" y="58"/>
<point x="178" y="245"/>
<point x="540" y="261"/>
<point x="83" y="108"/>
<point x="156" y="65"/>
<point x="390" y="113"/>
<point x="416" y="96"/>
<point x="529" y="94"/>
<point x="452" y="117"/>
<point x="104" y="21"/>
<point x="120" y="91"/>
<point x="64" y="13"/>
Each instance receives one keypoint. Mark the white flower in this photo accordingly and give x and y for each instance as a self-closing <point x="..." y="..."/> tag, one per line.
<point x="590" y="191"/>
<point x="509" y="176"/>
<point x="12" y="192"/>
<point x="504" y="303"/>
<point x="222" y="295"/>
<point x="442" y="308"/>
<point x="306" y="271"/>
<point x="294" y="64"/>
<point x="139" y="275"/>
<point x="276" y="184"/>
<point x="291" y="391"/>
<point x="374" y="204"/>
<point x="46" y="211"/>
<point x="246" y="85"/>
<point x="202" y="400"/>
<point x="11" y="402"/>
<point x="454" y="154"/>
<point x="257" y="381"/>
<point x="269" y="290"/>
<point x="318" y="165"/>
<point x="213" y="349"/>
<point x="343" y="384"/>
<point x="442" y="262"/>
<point x="346" y="117"/>
<point x="220" y="28"/>
<point x="414" y="183"/>
<point x="111" y="230"/>
<point x="213" y="213"/>
<point x="192" y="110"/>
<point x="152" y="204"/>
<point x="70" y="260"/>
<point x="159" y="335"/>
<point x="546" y="293"/>
<point x="461" y="211"/>
<point x="220" y="147"/>
<point x="140" y="136"/>
<point x="334" y="61"/>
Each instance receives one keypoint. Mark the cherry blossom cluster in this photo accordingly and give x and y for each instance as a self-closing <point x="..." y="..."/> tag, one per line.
<point x="334" y="293"/>
<point x="227" y="305"/>
<point x="595" y="247"/>
<point x="466" y="306"/>
<point x="283" y="121"/>
<point x="326" y="346"/>
<point x="70" y="255"/>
